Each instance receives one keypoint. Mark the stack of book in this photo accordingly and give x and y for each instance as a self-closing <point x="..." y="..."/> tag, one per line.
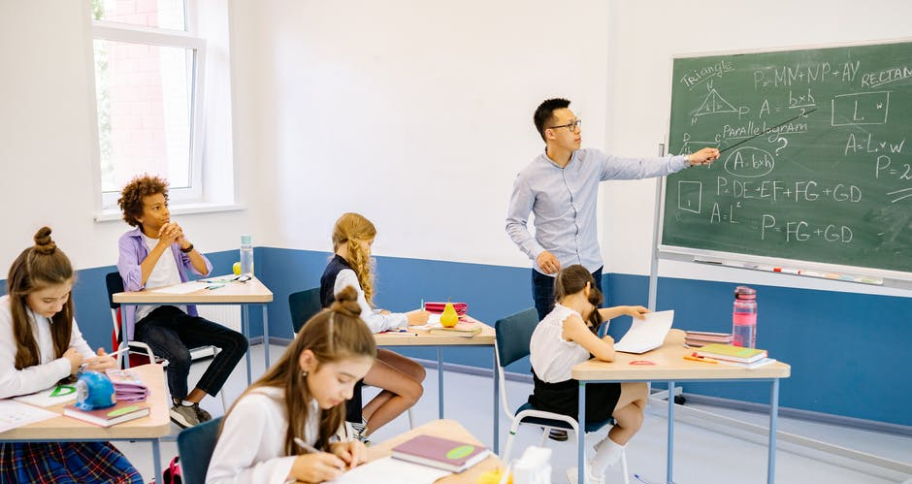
<point x="734" y="355"/>
<point x="121" y="412"/>
<point x="703" y="338"/>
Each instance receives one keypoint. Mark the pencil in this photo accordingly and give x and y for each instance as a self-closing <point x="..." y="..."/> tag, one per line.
<point x="701" y="359"/>
<point x="306" y="446"/>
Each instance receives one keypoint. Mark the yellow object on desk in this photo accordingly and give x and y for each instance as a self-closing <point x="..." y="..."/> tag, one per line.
<point x="493" y="476"/>
<point x="449" y="318"/>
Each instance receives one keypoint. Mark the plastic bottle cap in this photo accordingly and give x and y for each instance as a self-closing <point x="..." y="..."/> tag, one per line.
<point x="246" y="240"/>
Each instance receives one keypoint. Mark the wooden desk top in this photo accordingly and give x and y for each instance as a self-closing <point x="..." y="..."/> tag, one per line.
<point x="250" y="292"/>
<point x="422" y="337"/>
<point x="671" y="365"/>
<point x="449" y="429"/>
<point x="156" y="424"/>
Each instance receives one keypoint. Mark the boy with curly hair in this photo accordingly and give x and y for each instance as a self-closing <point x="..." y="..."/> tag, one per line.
<point x="157" y="253"/>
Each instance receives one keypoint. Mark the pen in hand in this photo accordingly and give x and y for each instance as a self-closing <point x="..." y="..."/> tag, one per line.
<point x="306" y="446"/>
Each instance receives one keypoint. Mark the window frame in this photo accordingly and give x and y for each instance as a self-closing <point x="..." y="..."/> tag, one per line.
<point x="107" y="208"/>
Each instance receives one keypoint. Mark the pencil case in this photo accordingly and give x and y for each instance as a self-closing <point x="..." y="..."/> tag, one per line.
<point x="437" y="307"/>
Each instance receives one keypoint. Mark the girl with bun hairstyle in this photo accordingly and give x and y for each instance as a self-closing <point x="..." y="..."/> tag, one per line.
<point x="41" y="345"/>
<point x="301" y="398"/>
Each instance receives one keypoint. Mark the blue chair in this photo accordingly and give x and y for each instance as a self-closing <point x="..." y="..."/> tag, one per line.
<point x="195" y="446"/>
<point x="513" y="335"/>
<point x="303" y="306"/>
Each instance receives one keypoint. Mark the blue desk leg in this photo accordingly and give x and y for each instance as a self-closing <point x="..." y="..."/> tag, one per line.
<point x="496" y="413"/>
<point x="245" y="330"/>
<point x="669" y="469"/>
<point x="774" y="411"/>
<point x="266" y="337"/>
<point x="440" y="379"/>
<point x="581" y="435"/>
<point x="156" y="460"/>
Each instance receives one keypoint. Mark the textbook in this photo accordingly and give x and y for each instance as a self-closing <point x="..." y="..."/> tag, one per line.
<point x="749" y="366"/>
<point x="466" y="330"/>
<point x="121" y="412"/>
<point x="441" y="453"/>
<point x="731" y="353"/>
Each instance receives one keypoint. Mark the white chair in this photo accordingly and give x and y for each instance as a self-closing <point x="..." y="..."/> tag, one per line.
<point x="513" y="335"/>
<point x="115" y="285"/>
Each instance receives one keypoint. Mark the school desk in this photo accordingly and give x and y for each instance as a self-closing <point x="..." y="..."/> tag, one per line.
<point x="241" y="293"/>
<point x="415" y="336"/>
<point x="150" y="428"/>
<point x="449" y="429"/>
<point x="667" y="364"/>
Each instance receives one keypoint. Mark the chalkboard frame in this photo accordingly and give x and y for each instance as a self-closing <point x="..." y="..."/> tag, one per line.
<point x="825" y="270"/>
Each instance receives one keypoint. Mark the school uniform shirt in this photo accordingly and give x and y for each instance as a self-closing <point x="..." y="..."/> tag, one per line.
<point x="49" y="370"/>
<point x="251" y="446"/>
<point x="337" y="276"/>
<point x="564" y="202"/>
<point x="552" y="356"/>
<point x="132" y="252"/>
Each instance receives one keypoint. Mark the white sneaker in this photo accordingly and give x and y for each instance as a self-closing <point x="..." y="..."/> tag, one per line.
<point x="573" y="473"/>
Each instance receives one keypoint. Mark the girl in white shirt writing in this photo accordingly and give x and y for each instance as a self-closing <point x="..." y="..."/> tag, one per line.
<point x="568" y="336"/>
<point x="298" y="406"/>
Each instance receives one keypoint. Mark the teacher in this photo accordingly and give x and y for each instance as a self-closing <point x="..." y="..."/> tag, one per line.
<point x="560" y="186"/>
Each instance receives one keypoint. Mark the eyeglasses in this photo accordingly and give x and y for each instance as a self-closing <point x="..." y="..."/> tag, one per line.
<point x="570" y="126"/>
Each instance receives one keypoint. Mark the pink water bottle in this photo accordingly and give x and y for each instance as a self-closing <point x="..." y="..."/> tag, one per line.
<point x="744" y="318"/>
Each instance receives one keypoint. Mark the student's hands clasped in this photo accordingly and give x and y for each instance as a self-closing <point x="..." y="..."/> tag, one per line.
<point x="704" y="156"/>
<point x="318" y="467"/>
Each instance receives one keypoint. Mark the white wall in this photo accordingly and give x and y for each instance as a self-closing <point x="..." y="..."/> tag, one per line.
<point x="416" y="114"/>
<point x="646" y="35"/>
<point x="46" y="141"/>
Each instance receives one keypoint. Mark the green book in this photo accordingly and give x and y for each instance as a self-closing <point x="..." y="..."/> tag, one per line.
<point x="731" y="353"/>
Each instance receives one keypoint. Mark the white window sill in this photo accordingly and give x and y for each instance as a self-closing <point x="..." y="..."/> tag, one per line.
<point x="110" y="215"/>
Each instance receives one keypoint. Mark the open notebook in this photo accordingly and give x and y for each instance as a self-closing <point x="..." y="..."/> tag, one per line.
<point x="646" y="334"/>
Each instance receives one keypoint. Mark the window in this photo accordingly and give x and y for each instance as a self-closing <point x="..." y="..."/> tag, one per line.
<point x="149" y="68"/>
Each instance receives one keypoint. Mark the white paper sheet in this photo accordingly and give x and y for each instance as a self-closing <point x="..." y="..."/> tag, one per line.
<point x="390" y="471"/>
<point x="15" y="414"/>
<point x="185" y="288"/>
<point x="646" y="334"/>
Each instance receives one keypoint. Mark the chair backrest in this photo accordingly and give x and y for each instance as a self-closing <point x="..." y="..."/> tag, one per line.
<point x="303" y="306"/>
<point x="512" y="337"/>
<point x="195" y="446"/>
<point x="115" y="285"/>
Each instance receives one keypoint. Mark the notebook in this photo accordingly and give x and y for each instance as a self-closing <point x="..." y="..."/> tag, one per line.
<point x="441" y="453"/>
<point x="646" y="334"/>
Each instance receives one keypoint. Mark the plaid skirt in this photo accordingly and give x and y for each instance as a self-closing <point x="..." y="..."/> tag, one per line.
<point x="64" y="463"/>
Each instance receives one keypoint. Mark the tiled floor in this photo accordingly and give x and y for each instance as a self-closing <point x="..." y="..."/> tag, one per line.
<point x="702" y="455"/>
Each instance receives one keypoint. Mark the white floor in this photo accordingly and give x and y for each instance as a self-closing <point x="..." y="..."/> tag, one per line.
<point x="702" y="455"/>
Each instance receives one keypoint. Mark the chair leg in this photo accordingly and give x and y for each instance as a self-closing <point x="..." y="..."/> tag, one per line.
<point x="624" y="467"/>
<point x="509" y="447"/>
<point x="411" y="417"/>
<point x="544" y="437"/>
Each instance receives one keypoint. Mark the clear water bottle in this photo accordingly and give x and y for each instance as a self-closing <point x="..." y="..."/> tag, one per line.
<point x="246" y="256"/>
<point x="744" y="318"/>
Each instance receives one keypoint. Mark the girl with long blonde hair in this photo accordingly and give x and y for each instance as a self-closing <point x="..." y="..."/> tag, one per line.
<point x="399" y="377"/>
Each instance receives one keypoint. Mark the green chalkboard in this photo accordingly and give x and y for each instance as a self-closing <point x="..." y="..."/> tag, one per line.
<point x="816" y="158"/>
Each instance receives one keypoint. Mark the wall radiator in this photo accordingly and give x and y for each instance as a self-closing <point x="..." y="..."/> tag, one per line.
<point x="228" y="315"/>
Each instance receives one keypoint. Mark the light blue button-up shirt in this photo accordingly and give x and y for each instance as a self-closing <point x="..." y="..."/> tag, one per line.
<point x="564" y="201"/>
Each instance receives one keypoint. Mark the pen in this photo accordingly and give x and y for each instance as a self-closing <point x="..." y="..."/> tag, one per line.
<point x="422" y="304"/>
<point x="125" y="348"/>
<point x="215" y="286"/>
<point x="306" y="446"/>
<point x="701" y="359"/>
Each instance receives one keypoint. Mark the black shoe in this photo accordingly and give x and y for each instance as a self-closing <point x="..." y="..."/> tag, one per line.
<point x="558" y="435"/>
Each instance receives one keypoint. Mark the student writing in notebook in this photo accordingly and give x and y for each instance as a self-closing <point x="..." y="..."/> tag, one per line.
<point x="567" y="336"/>
<point x="40" y="345"/>
<point x="398" y="376"/>
<point x="300" y="398"/>
<point x="158" y="253"/>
